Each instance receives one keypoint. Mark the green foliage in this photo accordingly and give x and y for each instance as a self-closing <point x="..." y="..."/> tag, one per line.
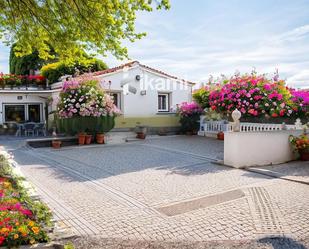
<point x="69" y="246"/>
<point x="55" y="70"/>
<point x="75" y="125"/>
<point x="23" y="65"/>
<point x="190" y="123"/>
<point x="72" y="26"/>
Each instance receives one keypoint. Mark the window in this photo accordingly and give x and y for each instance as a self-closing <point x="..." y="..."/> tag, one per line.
<point x="15" y="113"/>
<point x="21" y="113"/>
<point x="117" y="99"/>
<point x="163" y="102"/>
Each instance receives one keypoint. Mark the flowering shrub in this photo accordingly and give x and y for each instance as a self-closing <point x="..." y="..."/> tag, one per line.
<point x="18" y="80"/>
<point x="189" y="109"/>
<point x="201" y="96"/>
<point x="301" y="143"/>
<point x="189" y="116"/>
<point x="257" y="96"/>
<point x="20" y="223"/>
<point x="85" y="98"/>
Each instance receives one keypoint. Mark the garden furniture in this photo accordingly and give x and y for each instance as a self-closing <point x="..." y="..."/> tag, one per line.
<point x="20" y="129"/>
<point x="40" y="128"/>
<point x="29" y="128"/>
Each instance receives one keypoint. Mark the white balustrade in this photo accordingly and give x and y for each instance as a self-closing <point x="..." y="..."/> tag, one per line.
<point x="217" y="126"/>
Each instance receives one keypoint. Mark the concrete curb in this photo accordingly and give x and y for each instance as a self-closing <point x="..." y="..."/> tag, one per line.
<point x="276" y="175"/>
<point x="265" y="172"/>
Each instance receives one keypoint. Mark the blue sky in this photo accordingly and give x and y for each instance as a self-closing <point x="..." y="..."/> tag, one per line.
<point x="199" y="38"/>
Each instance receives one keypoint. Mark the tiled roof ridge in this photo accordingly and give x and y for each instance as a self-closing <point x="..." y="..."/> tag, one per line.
<point x="132" y="63"/>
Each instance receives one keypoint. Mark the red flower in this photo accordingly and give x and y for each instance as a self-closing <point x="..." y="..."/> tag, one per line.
<point x="2" y="239"/>
<point x="274" y="115"/>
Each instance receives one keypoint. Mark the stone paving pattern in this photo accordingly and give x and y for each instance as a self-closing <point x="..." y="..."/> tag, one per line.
<point x="113" y="192"/>
<point x="297" y="171"/>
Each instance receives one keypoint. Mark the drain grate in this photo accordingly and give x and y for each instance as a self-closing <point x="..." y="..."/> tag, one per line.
<point x="187" y="206"/>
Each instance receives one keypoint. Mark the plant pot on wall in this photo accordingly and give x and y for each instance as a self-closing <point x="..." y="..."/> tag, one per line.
<point x="100" y="138"/>
<point x="56" y="144"/>
<point x="88" y="139"/>
<point x="81" y="138"/>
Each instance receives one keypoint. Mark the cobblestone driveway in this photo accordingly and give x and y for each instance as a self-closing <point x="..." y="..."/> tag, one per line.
<point x="117" y="192"/>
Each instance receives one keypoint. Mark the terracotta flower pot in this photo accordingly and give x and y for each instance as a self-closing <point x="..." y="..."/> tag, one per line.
<point x="56" y="144"/>
<point x="81" y="138"/>
<point x="220" y="136"/>
<point x="88" y="139"/>
<point x="100" y="138"/>
<point x="140" y="135"/>
<point x="304" y="155"/>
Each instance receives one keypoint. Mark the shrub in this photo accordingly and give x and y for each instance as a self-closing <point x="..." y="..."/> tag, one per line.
<point x="256" y="96"/>
<point x="84" y="106"/>
<point x="201" y="96"/>
<point x="54" y="71"/>
<point x="189" y="116"/>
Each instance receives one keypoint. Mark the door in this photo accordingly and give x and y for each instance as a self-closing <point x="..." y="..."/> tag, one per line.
<point x="34" y="113"/>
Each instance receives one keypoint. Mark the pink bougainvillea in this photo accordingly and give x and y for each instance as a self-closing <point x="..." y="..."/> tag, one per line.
<point x="258" y="96"/>
<point x="188" y="109"/>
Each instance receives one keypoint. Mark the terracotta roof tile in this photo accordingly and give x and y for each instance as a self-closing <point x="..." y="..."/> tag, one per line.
<point x="132" y="63"/>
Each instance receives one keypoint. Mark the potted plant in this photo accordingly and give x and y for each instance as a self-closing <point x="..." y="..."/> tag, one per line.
<point x="141" y="132"/>
<point x="301" y="146"/>
<point x="220" y="135"/>
<point x="88" y="138"/>
<point x="100" y="138"/>
<point x="56" y="144"/>
<point x="81" y="138"/>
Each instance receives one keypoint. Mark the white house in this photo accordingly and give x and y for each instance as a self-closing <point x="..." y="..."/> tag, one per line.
<point x="145" y="96"/>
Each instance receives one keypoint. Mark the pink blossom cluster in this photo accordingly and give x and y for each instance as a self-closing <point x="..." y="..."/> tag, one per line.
<point x="258" y="96"/>
<point x="189" y="109"/>
<point x="83" y="98"/>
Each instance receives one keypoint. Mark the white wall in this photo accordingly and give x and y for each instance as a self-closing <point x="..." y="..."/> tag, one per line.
<point x="136" y="105"/>
<point x="11" y="98"/>
<point x="243" y="149"/>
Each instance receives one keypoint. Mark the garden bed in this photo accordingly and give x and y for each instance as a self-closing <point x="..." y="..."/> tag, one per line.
<point x="23" y="220"/>
<point x="46" y="142"/>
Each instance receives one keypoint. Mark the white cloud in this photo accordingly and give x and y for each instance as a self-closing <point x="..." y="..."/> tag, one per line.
<point x="300" y="80"/>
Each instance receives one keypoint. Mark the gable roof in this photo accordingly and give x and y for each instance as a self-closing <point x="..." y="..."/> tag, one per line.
<point x="135" y="63"/>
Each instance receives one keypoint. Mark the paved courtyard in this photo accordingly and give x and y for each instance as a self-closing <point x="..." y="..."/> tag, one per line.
<point x="166" y="188"/>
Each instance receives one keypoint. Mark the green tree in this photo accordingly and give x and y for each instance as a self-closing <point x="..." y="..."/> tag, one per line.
<point x="72" y="26"/>
<point x="54" y="71"/>
<point x="25" y="64"/>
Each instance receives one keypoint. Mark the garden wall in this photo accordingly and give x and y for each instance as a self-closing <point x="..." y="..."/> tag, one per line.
<point x="243" y="149"/>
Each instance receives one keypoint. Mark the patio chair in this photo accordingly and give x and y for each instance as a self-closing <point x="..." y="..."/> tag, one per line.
<point x="20" y="129"/>
<point x="40" y="129"/>
<point x="29" y="128"/>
